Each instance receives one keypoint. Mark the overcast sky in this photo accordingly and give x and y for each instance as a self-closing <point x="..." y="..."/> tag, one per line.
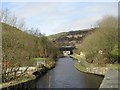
<point x="54" y="17"/>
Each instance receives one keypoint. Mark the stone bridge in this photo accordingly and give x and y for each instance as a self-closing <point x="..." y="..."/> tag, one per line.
<point x="67" y="50"/>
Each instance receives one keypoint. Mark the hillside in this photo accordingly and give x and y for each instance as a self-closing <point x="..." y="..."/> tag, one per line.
<point x="15" y="44"/>
<point x="71" y="37"/>
<point x="55" y="36"/>
<point x="19" y="47"/>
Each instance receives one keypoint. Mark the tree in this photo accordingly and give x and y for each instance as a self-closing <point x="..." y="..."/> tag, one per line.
<point x="102" y="40"/>
<point x="21" y="24"/>
<point x="7" y="17"/>
<point x="4" y="15"/>
<point x="13" y="21"/>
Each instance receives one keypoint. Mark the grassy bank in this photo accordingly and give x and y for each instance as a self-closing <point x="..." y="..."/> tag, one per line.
<point x="80" y="67"/>
<point x="40" y="59"/>
<point x="114" y="66"/>
<point x="47" y="62"/>
<point x="81" y="64"/>
<point x="84" y="66"/>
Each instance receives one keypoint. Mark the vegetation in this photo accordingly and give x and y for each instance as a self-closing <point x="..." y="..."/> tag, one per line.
<point x="80" y="67"/>
<point x="101" y="47"/>
<point x="114" y="66"/>
<point x="71" y="38"/>
<point x="58" y="35"/>
<point x="6" y="16"/>
<point x="40" y="59"/>
<point x="20" y="47"/>
<point x="83" y="66"/>
<point x="46" y="62"/>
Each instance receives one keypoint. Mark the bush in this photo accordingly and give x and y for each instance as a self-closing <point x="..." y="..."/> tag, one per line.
<point x="103" y="40"/>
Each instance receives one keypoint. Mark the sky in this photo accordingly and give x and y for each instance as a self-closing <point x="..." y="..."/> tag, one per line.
<point x="54" y="17"/>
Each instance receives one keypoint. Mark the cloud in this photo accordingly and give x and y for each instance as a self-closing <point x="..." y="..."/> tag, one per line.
<point x="78" y="24"/>
<point x="61" y="0"/>
<point x="53" y="17"/>
<point x="92" y="14"/>
<point x="34" y="9"/>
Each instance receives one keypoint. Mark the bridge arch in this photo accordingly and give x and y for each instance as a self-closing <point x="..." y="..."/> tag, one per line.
<point x="68" y="50"/>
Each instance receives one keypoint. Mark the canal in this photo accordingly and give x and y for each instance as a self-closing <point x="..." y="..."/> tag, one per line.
<point x="65" y="75"/>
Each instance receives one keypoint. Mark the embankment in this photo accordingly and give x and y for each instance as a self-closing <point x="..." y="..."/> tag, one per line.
<point x="110" y="72"/>
<point x="26" y="83"/>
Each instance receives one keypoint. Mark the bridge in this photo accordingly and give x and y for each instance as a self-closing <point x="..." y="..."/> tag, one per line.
<point x="67" y="50"/>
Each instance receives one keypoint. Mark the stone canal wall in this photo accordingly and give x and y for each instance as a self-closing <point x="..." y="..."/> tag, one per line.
<point x="22" y="86"/>
<point x="97" y="70"/>
<point x="111" y="80"/>
<point x="26" y="85"/>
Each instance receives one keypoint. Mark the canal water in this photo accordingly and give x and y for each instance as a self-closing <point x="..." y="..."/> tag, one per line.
<point x="65" y="75"/>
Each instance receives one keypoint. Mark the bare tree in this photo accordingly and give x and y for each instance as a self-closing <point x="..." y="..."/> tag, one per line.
<point x="4" y="15"/>
<point x="7" y="17"/>
<point x="21" y="24"/>
<point x="0" y="15"/>
<point x="13" y="20"/>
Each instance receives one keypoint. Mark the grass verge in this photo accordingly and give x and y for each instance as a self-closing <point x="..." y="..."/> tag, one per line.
<point x="40" y="58"/>
<point x="80" y="67"/>
<point x="82" y="64"/>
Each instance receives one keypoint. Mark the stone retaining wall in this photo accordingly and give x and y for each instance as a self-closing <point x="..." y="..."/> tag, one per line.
<point x="111" y="80"/>
<point x="22" y="86"/>
<point x="97" y="70"/>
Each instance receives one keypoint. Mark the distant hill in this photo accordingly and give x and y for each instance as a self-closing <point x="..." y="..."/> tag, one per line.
<point x="70" y="38"/>
<point x="55" y="36"/>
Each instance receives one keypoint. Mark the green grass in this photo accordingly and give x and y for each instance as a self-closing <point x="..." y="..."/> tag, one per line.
<point x="76" y="57"/>
<point x="114" y="66"/>
<point x="55" y="36"/>
<point x="82" y="60"/>
<point x="80" y="67"/>
<point x="83" y="64"/>
<point x="40" y="59"/>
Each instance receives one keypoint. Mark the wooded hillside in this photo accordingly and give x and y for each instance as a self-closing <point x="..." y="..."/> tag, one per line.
<point x="19" y="47"/>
